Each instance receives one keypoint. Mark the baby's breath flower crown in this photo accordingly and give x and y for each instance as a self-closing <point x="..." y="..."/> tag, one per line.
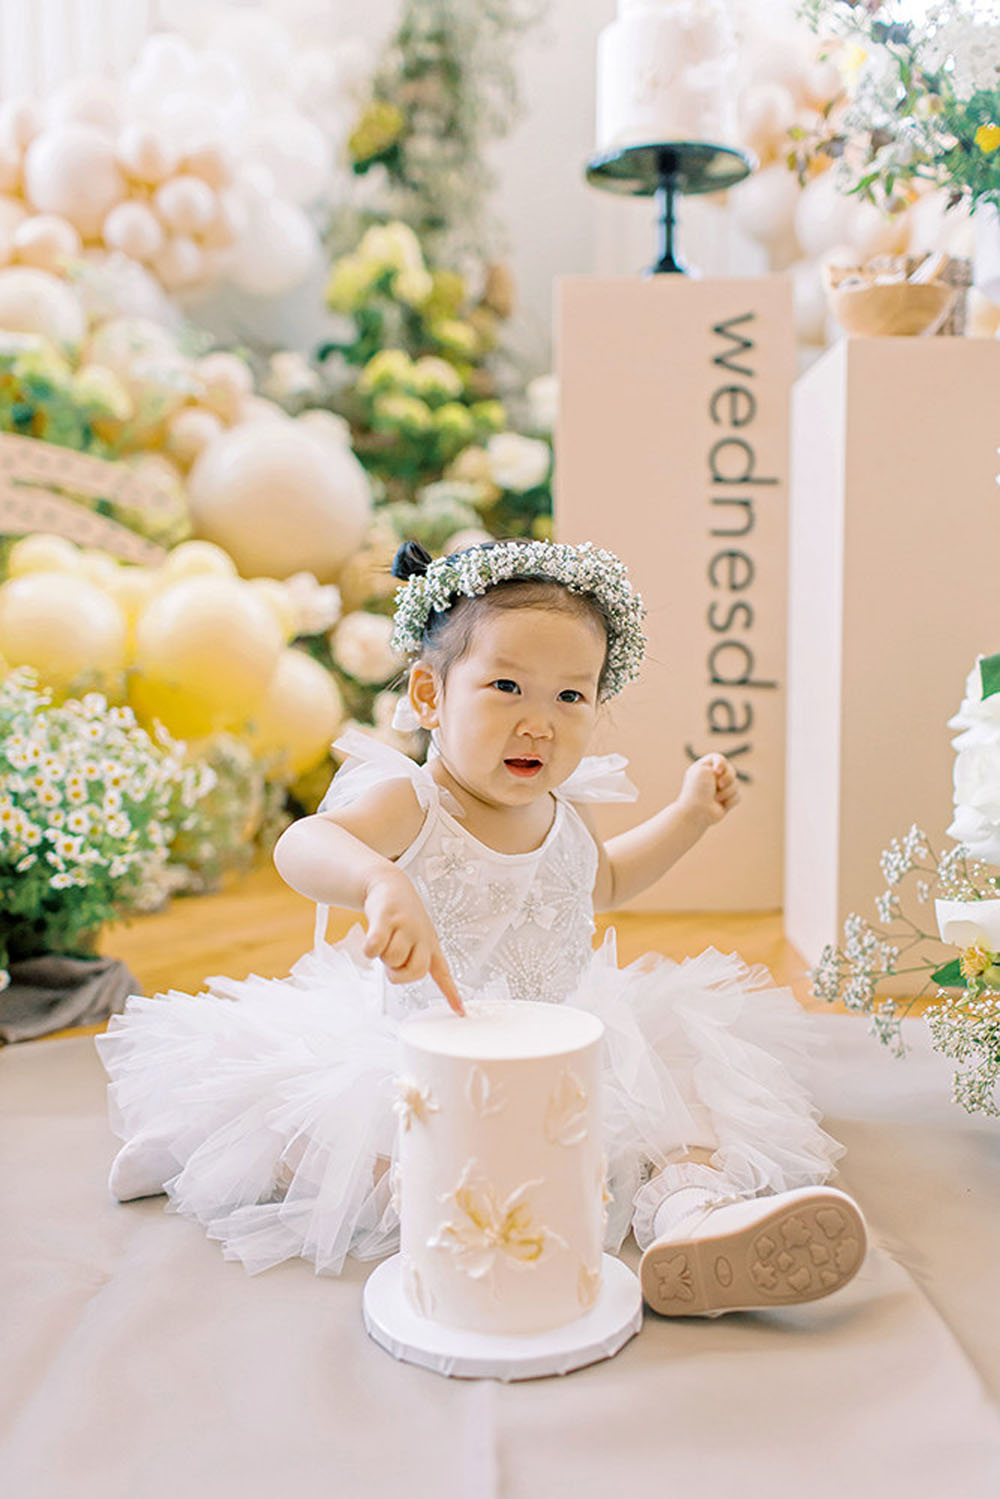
<point x="582" y="569"/>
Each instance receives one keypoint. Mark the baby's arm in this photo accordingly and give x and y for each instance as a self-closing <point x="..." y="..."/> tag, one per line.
<point x="630" y="862"/>
<point x="344" y="858"/>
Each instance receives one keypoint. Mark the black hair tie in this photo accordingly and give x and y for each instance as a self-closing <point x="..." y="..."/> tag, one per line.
<point x="411" y="561"/>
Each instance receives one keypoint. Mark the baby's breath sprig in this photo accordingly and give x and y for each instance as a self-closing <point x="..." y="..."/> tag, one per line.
<point x="581" y="569"/>
<point x="965" y="1023"/>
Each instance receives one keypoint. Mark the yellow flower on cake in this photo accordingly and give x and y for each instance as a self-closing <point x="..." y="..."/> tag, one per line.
<point x="485" y="1228"/>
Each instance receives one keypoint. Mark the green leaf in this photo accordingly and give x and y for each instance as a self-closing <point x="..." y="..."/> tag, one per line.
<point x="950" y="976"/>
<point x="989" y="675"/>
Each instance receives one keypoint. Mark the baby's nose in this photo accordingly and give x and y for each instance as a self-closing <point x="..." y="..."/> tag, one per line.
<point x="536" y="725"/>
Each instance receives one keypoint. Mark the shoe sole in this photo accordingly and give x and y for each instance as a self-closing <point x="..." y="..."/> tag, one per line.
<point x="799" y="1252"/>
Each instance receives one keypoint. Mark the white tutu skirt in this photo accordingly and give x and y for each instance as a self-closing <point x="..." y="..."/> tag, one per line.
<point x="274" y="1096"/>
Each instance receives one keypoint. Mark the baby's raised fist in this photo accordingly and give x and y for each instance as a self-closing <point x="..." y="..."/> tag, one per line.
<point x="710" y="788"/>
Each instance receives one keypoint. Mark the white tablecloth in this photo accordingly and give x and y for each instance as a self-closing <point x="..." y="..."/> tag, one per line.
<point x="138" y="1364"/>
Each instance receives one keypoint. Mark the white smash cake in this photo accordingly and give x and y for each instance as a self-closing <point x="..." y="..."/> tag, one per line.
<point x="501" y="1171"/>
<point x="667" y="71"/>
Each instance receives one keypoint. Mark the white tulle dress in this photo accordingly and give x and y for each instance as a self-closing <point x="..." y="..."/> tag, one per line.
<point x="272" y="1099"/>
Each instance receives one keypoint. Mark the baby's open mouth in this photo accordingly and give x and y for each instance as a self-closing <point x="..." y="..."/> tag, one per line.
<point x="528" y="765"/>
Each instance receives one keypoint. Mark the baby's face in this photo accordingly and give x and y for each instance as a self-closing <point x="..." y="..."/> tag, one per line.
<point x="515" y="714"/>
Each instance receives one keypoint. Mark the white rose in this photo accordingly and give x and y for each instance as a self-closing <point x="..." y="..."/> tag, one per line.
<point x="980" y="837"/>
<point x="975" y="712"/>
<point x="977" y="780"/>
<point x="518" y="463"/>
<point x="963" y="923"/>
<point x="360" y="646"/>
<point x="543" y="395"/>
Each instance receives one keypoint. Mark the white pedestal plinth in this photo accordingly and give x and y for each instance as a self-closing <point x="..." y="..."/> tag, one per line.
<point x="895" y="516"/>
<point x="672" y="451"/>
<point x="396" y="1326"/>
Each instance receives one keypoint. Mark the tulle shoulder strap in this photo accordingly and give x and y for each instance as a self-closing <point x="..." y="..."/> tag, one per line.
<point x="369" y="763"/>
<point x="599" y="778"/>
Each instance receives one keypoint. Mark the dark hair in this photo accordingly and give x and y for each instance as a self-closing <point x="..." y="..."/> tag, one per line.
<point x="448" y="632"/>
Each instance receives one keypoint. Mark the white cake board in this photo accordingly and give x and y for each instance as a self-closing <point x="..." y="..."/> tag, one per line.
<point x="396" y="1326"/>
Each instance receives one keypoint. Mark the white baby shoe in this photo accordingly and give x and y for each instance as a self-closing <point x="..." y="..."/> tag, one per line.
<point x="140" y="1169"/>
<point x="716" y="1254"/>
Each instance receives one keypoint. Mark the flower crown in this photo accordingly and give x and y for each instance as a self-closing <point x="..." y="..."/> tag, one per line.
<point x="581" y="569"/>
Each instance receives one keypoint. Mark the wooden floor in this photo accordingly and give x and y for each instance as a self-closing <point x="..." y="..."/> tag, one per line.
<point x="258" y="925"/>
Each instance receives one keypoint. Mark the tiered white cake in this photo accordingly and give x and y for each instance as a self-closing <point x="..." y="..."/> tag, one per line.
<point x="501" y="1171"/>
<point x="667" y="71"/>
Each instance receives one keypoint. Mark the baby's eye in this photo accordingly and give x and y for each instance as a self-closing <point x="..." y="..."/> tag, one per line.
<point x="570" y="695"/>
<point x="504" y="684"/>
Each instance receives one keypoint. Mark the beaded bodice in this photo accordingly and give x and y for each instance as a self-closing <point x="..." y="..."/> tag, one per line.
<point x="521" y="923"/>
<point x="526" y="918"/>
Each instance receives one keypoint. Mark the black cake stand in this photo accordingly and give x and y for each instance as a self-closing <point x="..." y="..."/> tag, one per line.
<point x="665" y="170"/>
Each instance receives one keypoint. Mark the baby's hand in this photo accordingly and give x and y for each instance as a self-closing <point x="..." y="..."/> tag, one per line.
<point x="709" y="789"/>
<point x="401" y="934"/>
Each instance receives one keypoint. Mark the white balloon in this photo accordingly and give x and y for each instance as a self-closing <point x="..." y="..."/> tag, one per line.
<point x="71" y="170"/>
<point x="20" y="122"/>
<point x="764" y="206"/>
<point x="11" y="168"/>
<point x="821" y="82"/>
<point x="782" y="61"/>
<point x="279" y="501"/>
<point x="230" y="222"/>
<point x="90" y="99"/>
<point x="823" y="216"/>
<point x="298" y="154"/>
<point x="933" y="226"/>
<point x="145" y="154"/>
<point x="278" y="249"/>
<point x="119" y="342"/>
<point x="767" y="113"/>
<point x="226" y="381"/>
<point x="190" y="431"/>
<point x="809" y="298"/>
<point x="213" y="163"/>
<point x="12" y="213"/>
<point x="873" y="232"/>
<point x="45" y="241"/>
<point x="133" y="229"/>
<point x="185" y="204"/>
<point x="33" y="301"/>
<point x="180" y="263"/>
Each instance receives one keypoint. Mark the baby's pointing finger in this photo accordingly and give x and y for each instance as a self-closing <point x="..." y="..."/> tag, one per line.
<point x="441" y="974"/>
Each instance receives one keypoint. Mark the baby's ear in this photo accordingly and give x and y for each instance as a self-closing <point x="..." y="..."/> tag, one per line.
<point x="423" y="694"/>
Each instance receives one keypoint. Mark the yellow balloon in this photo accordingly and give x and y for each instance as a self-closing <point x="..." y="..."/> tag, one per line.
<point x="298" y="717"/>
<point x="42" y="553"/>
<point x="193" y="557"/>
<point x="205" y="650"/>
<point x="67" y="628"/>
<point x="98" y="567"/>
<point x="132" y="588"/>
